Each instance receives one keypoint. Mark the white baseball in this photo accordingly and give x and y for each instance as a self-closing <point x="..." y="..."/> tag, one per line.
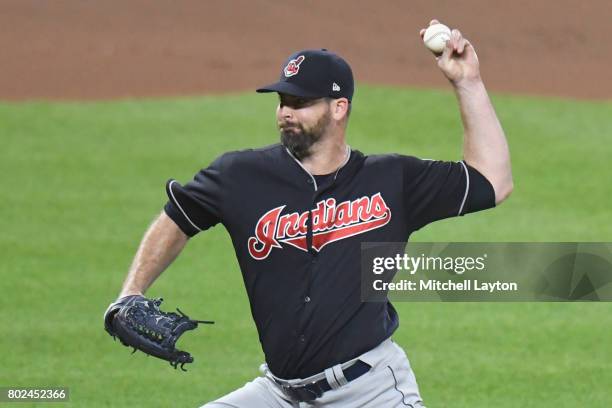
<point x="435" y="37"/>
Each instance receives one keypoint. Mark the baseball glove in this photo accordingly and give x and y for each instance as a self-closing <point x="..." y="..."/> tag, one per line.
<point x="139" y="323"/>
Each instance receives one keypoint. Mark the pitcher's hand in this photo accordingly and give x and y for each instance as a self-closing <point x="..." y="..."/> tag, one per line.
<point x="458" y="61"/>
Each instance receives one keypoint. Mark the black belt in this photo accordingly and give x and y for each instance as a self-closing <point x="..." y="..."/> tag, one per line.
<point x="312" y="391"/>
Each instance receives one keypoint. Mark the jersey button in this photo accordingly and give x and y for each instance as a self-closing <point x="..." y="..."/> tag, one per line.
<point x="307" y="299"/>
<point x="309" y="181"/>
<point x="302" y="338"/>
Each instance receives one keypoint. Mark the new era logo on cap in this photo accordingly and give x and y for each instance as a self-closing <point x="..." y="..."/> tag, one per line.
<point x="293" y="67"/>
<point x="314" y="74"/>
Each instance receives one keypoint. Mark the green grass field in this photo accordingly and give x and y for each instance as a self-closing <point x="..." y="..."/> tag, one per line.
<point x="81" y="182"/>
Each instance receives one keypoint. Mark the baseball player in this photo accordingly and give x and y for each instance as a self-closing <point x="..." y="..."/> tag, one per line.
<point x="297" y="212"/>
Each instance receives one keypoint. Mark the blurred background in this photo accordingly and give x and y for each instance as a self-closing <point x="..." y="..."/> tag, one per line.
<point x="71" y="49"/>
<point x="102" y="101"/>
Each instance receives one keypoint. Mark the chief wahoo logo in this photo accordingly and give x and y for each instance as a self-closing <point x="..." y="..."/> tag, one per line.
<point x="293" y="67"/>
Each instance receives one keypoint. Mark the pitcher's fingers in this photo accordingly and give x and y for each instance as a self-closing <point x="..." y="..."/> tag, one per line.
<point x="458" y="39"/>
<point x="452" y="42"/>
<point x="469" y="44"/>
<point x="462" y="44"/>
<point x="457" y="34"/>
<point x="448" y="51"/>
<point x="455" y="37"/>
<point x="422" y="32"/>
<point x="434" y="21"/>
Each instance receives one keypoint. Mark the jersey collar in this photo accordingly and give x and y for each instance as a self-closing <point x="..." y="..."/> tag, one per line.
<point x="314" y="182"/>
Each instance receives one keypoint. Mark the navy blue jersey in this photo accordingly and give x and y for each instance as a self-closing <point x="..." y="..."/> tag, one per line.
<point x="298" y="240"/>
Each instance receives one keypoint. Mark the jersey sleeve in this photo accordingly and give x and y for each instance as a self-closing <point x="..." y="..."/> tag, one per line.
<point x="197" y="205"/>
<point x="435" y="190"/>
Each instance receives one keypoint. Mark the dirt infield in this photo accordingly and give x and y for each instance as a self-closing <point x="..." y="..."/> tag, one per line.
<point x="88" y="49"/>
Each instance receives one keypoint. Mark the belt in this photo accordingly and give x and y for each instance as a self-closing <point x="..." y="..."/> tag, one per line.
<point x="314" y="390"/>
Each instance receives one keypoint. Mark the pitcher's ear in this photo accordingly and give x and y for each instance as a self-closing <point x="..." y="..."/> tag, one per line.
<point x="340" y="108"/>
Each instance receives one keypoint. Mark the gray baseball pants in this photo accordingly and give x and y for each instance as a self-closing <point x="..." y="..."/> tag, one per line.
<point x="390" y="383"/>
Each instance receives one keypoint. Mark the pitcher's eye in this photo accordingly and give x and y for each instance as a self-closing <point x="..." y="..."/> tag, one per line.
<point x="296" y="102"/>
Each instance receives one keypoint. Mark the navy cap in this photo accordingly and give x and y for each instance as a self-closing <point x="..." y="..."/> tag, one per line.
<point x="314" y="74"/>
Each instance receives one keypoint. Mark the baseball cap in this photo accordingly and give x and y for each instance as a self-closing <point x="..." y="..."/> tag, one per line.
<point x="314" y="74"/>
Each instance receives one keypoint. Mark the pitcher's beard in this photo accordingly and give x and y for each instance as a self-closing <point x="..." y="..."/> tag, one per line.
<point x="299" y="141"/>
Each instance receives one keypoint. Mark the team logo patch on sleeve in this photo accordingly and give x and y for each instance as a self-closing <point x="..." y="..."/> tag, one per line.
<point x="293" y="67"/>
<point x="330" y="222"/>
